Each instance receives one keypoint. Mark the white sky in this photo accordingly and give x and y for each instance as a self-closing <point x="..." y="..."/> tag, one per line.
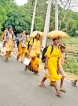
<point x="20" y="2"/>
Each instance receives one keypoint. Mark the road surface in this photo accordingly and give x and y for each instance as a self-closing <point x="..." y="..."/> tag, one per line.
<point x="20" y="88"/>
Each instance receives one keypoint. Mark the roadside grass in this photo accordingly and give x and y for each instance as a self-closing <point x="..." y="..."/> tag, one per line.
<point x="71" y="46"/>
<point x="71" y="40"/>
<point x="72" y="67"/>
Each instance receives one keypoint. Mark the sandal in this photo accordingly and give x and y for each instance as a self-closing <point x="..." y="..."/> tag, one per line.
<point x="63" y="90"/>
<point x="21" y="61"/>
<point x="6" y="60"/>
<point x="42" y="85"/>
<point x="58" y="94"/>
<point x="36" y="74"/>
<point x="73" y="84"/>
<point x="25" y="69"/>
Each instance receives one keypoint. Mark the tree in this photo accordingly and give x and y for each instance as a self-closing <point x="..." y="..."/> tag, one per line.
<point x="5" y="6"/>
<point x="66" y="13"/>
<point x="20" y="17"/>
<point x="40" y="15"/>
<point x="2" y="17"/>
<point x="39" y="23"/>
<point x="19" y="20"/>
<point x="73" y="25"/>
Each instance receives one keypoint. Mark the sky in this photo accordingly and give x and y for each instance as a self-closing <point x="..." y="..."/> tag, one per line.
<point x="20" y="2"/>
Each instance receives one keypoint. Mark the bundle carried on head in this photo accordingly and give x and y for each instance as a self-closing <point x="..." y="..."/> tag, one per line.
<point x="35" y="33"/>
<point x="57" y="34"/>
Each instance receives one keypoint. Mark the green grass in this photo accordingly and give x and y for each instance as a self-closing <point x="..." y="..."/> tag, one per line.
<point x="71" y="46"/>
<point x="72" y="67"/>
<point x="71" y="40"/>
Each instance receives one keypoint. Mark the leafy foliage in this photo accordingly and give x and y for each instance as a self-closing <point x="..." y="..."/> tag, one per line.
<point x="20" y="17"/>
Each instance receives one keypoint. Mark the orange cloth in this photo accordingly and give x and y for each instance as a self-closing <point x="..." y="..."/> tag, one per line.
<point x="21" y="51"/>
<point x="9" y="44"/>
<point x="8" y="54"/>
<point x="35" y="50"/>
<point x="61" y="60"/>
<point x="20" y="48"/>
<point x="35" y="64"/>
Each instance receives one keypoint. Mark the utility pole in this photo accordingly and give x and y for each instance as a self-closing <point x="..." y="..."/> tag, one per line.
<point x="47" y="23"/>
<point x="56" y="14"/>
<point x="32" y="25"/>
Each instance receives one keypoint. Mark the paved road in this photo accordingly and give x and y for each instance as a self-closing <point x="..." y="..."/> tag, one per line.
<point x="20" y="88"/>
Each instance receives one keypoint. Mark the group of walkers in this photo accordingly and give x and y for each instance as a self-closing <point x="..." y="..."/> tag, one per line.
<point x="31" y="48"/>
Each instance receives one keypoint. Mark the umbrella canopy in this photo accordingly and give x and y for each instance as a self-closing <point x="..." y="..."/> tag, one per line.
<point x="55" y="34"/>
<point x="34" y="34"/>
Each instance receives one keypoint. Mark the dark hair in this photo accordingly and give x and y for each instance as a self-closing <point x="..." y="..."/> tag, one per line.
<point x="22" y="31"/>
<point x="55" y="38"/>
<point x="38" y="34"/>
<point x="10" y="26"/>
<point x="63" y="45"/>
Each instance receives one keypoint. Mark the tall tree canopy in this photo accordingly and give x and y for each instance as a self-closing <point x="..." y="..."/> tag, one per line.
<point x="20" y="17"/>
